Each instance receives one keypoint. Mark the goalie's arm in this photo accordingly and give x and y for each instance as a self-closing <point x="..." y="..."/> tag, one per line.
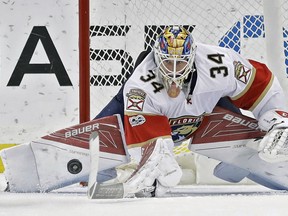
<point x="263" y="95"/>
<point x="254" y="87"/>
<point x="143" y="128"/>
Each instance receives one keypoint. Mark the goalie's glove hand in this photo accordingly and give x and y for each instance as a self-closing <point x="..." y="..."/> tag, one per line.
<point x="273" y="147"/>
<point x="157" y="164"/>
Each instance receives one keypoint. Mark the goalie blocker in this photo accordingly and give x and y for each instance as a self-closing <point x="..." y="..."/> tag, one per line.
<point x="62" y="158"/>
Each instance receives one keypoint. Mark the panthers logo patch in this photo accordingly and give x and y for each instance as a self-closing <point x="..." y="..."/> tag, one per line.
<point x="242" y="73"/>
<point x="183" y="127"/>
<point x="135" y="100"/>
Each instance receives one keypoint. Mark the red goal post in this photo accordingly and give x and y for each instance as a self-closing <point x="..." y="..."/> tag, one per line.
<point x="84" y="61"/>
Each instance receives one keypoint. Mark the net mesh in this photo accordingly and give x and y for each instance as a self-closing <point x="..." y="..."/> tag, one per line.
<point x="121" y="29"/>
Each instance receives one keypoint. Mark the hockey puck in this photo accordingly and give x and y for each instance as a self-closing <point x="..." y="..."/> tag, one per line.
<point x="74" y="166"/>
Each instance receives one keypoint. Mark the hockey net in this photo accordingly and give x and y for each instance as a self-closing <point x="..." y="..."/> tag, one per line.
<point x="120" y="30"/>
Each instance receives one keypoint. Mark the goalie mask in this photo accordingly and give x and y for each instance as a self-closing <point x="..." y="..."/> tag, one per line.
<point x="174" y="52"/>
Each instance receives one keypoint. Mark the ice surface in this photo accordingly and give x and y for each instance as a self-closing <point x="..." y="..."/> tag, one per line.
<point x="224" y="200"/>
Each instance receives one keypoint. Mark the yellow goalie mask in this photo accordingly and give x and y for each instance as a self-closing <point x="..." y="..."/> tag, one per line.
<point x="174" y="52"/>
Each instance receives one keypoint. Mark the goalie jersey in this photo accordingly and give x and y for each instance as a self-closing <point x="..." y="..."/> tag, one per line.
<point x="149" y="113"/>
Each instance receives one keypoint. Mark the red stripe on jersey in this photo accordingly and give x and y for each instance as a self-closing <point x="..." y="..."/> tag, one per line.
<point x="261" y="81"/>
<point x="148" y="128"/>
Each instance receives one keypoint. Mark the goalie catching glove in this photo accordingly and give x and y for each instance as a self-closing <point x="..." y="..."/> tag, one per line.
<point x="157" y="164"/>
<point x="273" y="147"/>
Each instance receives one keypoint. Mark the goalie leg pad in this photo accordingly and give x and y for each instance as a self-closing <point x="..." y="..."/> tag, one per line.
<point x="241" y="147"/>
<point x="62" y="158"/>
<point x="266" y="182"/>
<point x="36" y="167"/>
<point x="230" y="173"/>
<point x="19" y="161"/>
<point x="245" y="156"/>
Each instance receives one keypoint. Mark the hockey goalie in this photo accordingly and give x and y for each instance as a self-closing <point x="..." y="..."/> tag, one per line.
<point x="181" y="90"/>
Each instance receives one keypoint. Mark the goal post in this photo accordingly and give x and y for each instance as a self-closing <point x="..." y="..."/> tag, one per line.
<point x="84" y="60"/>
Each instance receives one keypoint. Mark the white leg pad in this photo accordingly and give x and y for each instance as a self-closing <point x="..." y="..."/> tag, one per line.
<point x="26" y="165"/>
<point x="37" y="167"/>
<point x="243" y="155"/>
<point x="63" y="158"/>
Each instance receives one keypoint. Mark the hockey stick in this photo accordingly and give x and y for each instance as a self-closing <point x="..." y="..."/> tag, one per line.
<point x="94" y="163"/>
<point x="96" y="190"/>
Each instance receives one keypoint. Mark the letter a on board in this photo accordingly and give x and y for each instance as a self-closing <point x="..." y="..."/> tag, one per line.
<point x="55" y="66"/>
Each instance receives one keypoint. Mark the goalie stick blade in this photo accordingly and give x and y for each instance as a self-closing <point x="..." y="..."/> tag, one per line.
<point x="109" y="191"/>
<point x="94" y="163"/>
<point x="95" y="190"/>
